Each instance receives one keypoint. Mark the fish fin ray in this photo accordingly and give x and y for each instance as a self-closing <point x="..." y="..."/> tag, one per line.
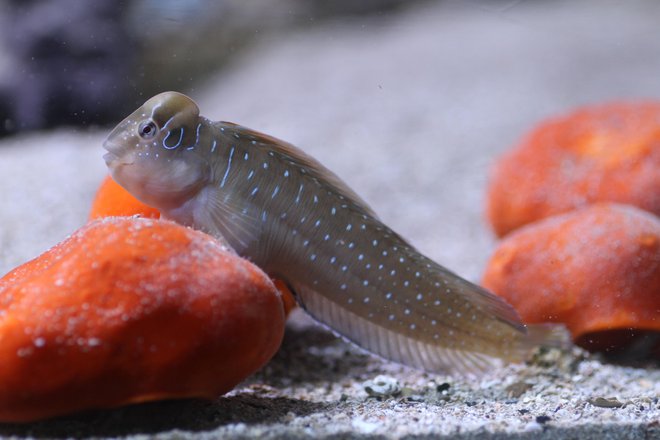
<point x="392" y="345"/>
<point x="551" y="335"/>
<point x="224" y="219"/>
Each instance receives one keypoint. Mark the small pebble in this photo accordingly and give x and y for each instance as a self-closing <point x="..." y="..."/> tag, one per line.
<point x="542" y="420"/>
<point x="602" y="402"/>
<point x="517" y="389"/>
<point x="382" y="386"/>
<point x="443" y="387"/>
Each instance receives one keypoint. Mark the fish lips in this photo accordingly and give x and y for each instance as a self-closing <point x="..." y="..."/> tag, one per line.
<point x="114" y="157"/>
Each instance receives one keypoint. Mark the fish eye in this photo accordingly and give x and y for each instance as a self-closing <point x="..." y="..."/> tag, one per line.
<point x="147" y="129"/>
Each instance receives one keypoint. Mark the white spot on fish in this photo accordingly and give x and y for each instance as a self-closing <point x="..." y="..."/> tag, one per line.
<point x="254" y="190"/>
<point x="349" y="227"/>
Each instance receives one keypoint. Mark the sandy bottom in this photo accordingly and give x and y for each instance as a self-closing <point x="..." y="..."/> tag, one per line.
<point x="410" y="110"/>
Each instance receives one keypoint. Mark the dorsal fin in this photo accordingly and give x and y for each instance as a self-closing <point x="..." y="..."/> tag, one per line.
<point x="298" y="157"/>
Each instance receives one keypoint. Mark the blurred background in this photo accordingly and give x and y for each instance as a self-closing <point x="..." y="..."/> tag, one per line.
<point x="69" y="62"/>
<point x="409" y="101"/>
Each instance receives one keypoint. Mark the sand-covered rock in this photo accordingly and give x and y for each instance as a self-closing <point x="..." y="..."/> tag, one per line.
<point x="131" y="310"/>
<point x="602" y="153"/>
<point x="596" y="269"/>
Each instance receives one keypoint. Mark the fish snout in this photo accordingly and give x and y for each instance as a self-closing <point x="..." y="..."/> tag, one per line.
<point x="116" y="154"/>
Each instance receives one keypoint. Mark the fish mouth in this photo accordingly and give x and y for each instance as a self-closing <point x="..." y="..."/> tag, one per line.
<point x="112" y="160"/>
<point x="112" y="157"/>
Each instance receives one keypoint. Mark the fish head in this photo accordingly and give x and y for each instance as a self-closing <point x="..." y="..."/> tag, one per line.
<point x="152" y="152"/>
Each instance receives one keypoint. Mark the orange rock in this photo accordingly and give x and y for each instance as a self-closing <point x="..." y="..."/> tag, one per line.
<point x="288" y="298"/>
<point x="597" y="270"/>
<point x="606" y="153"/>
<point x="129" y="310"/>
<point x="113" y="200"/>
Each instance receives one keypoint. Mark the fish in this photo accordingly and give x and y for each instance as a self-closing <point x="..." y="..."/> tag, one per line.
<point x="285" y="212"/>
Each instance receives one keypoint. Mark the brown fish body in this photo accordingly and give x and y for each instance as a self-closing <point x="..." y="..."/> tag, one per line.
<point x="281" y="209"/>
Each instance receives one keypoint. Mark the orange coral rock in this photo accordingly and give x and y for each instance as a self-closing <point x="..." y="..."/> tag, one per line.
<point x="113" y="200"/>
<point x="597" y="270"/>
<point x="288" y="299"/>
<point x="606" y="153"/>
<point x="129" y="310"/>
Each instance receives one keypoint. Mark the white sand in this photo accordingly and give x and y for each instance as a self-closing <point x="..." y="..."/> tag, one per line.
<point x="410" y="110"/>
